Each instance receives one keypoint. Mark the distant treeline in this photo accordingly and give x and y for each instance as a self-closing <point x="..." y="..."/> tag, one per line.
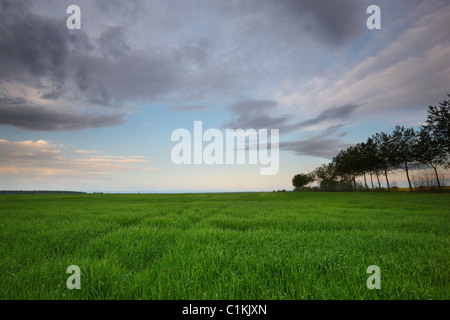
<point x="39" y="192"/>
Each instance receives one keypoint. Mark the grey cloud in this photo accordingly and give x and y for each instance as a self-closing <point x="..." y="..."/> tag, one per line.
<point x="113" y="42"/>
<point x="137" y="76"/>
<point x="338" y="113"/>
<point x="323" y="148"/>
<point x="256" y="114"/>
<point x="41" y="54"/>
<point x="115" y="10"/>
<point x="16" y="112"/>
<point x="296" y="26"/>
<point x="335" y="22"/>
<point x="34" y="44"/>
<point x="48" y="52"/>
<point x="196" y="51"/>
<point x="324" y="145"/>
<point x="57" y="90"/>
<point x="146" y="51"/>
<point x="264" y="114"/>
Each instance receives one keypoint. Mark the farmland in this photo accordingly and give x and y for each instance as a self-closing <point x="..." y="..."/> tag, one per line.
<point x="287" y="245"/>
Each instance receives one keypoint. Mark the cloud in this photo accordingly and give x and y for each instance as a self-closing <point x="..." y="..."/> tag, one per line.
<point x="147" y="53"/>
<point x="323" y="145"/>
<point x="57" y="79"/>
<point x="16" y="112"/>
<point x="138" y="76"/>
<point x="188" y="50"/>
<point x="113" y="42"/>
<point x="334" y="22"/>
<point x="255" y="114"/>
<point x="33" y="47"/>
<point x="337" y="113"/>
<point x="86" y="151"/>
<point x="259" y="114"/>
<point x="409" y="73"/>
<point x="43" y="159"/>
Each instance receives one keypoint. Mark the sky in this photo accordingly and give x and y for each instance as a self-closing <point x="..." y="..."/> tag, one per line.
<point x="94" y="109"/>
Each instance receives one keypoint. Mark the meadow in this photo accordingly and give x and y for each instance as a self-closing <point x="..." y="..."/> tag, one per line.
<point x="286" y="245"/>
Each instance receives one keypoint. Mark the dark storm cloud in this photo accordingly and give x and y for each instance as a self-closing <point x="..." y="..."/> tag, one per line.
<point x="35" y="45"/>
<point x="69" y="68"/>
<point x="34" y="52"/>
<point x="16" y="112"/>
<point x="43" y="47"/>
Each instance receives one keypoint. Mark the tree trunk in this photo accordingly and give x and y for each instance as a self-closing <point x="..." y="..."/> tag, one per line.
<point x="371" y="180"/>
<point x="437" y="178"/>
<point x="378" y="178"/>
<point x="365" y="182"/>
<point x="387" y="180"/>
<point x="407" y="175"/>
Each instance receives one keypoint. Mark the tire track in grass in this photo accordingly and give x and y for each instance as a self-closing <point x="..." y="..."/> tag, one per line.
<point x="133" y="251"/>
<point x="152" y="270"/>
<point x="196" y="221"/>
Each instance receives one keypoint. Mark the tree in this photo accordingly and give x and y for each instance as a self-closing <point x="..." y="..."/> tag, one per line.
<point x="430" y="152"/>
<point x="384" y="151"/>
<point x="302" y="179"/>
<point x="346" y="167"/>
<point x="362" y="160"/>
<point x="367" y="160"/>
<point x="374" y="163"/>
<point x="438" y="121"/>
<point x="402" y="143"/>
<point x="325" y="175"/>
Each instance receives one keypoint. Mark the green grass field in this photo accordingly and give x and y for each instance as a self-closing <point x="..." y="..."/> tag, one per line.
<point x="225" y="246"/>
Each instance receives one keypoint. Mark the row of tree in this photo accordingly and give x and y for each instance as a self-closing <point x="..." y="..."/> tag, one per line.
<point x="404" y="148"/>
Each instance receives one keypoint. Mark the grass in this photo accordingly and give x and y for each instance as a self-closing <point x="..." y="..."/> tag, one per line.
<point x="225" y="246"/>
